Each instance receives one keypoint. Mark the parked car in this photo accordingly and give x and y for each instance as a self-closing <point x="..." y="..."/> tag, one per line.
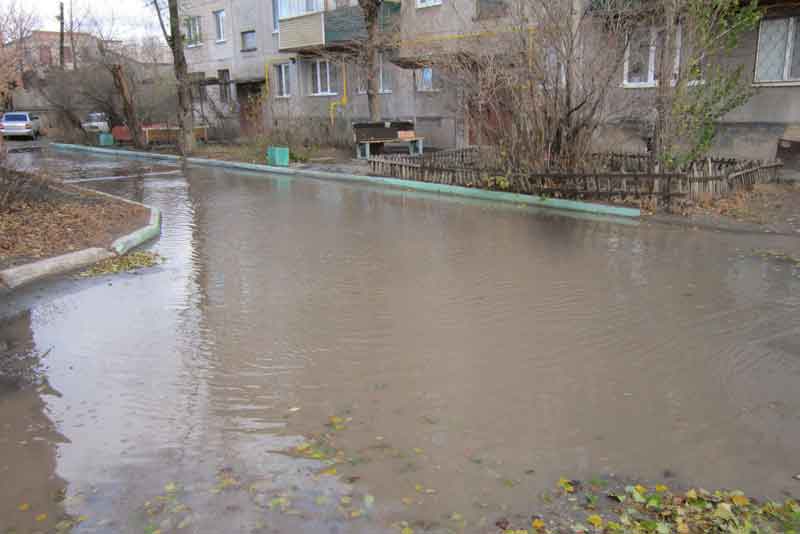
<point x="96" y="123"/>
<point x="20" y="123"/>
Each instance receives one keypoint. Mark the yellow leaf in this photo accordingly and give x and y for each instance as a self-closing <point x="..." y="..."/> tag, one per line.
<point x="336" y="420"/>
<point x="595" y="520"/>
<point x="171" y="487"/>
<point x="566" y="485"/>
<point x="407" y="530"/>
<point x="418" y="450"/>
<point x="661" y="488"/>
<point x="641" y="489"/>
<point x="691" y="494"/>
<point x="354" y="514"/>
<point x="303" y="447"/>
<point x="346" y="500"/>
<point x="41" y="517"/>
<point x="330" y="471"/>
<point x="408" y="501"/>
<point x="455" y="516"/>
<point x="419" y="488"/>
<point x="24" y="507"/>
<point x="321" y="500"/>
<point x="740" y="500"/>
<point x="683" y="528"/>
<point x="537" y="524"/>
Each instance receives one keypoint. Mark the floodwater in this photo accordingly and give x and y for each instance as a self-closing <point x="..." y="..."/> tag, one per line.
<point x="470" y="355"/>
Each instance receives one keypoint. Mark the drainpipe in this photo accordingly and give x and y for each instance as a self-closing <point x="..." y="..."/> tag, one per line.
<point x="342" y="101"/>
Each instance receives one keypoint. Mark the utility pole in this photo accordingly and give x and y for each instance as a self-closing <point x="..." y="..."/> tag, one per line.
<point x="61" y="45"/>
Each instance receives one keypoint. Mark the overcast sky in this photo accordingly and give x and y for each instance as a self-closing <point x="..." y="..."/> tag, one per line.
<point x="130" y="18"/>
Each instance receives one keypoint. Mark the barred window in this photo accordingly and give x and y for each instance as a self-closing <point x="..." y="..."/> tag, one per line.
<point x="778" y="56"/>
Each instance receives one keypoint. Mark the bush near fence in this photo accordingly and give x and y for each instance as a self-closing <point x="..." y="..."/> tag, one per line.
<point x="610" y="177"/>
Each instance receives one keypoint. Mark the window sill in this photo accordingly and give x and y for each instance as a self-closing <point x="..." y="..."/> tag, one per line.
<point x="221" y="41"/>
<point x="248" y="49"/>
<point x="276" y="32"/>
<point x="431" y="4"/>
<point x="283" y="97"/>
<point x="786" y="83"/>
<point x="194" y="45"/>
<point x="428" y="91"/>
<point x="642" y="85"/>
<point x="324" y="94"/>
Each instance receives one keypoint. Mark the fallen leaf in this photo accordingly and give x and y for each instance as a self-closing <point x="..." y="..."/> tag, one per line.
<point x="171" y="487"/>
<point x="24" y="507"/>
<point x="537" y="524"/>
<point x="330" y="471"/>
<point x="369" y="500"/>
<point x="740" y="500"/>
<point x="355" y="514"/>
<point x="321" y="500"/>
<point x="407" y="530"/>
<point x="595" y="520"/>
<point x="408" y="501"/>
<point x="661" y="488"/>
<point x="41" y="517"/>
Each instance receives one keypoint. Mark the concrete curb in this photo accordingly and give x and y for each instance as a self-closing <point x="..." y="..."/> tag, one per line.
<point x="516" y="198"/>
<point x="15" y="277"/>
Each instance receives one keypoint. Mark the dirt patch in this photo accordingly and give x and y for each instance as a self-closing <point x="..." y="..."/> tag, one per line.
<point x="61" y="219"/>
<point x="770" y="207"/>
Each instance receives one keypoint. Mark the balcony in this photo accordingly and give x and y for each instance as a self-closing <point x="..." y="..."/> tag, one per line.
<point x="330" y="29"/>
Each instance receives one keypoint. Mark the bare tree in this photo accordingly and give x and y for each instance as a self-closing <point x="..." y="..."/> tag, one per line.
<point x="174" y="38"/>
<point x="18" y="23"/>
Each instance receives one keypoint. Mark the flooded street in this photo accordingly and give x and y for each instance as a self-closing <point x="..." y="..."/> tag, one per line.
<point x="317" y="356"/>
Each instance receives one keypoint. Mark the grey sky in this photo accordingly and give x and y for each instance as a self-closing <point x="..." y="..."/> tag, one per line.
<point x="124" y="18"/>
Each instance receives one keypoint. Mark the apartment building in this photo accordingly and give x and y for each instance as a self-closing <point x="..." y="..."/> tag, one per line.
<point x="298" y="48"/>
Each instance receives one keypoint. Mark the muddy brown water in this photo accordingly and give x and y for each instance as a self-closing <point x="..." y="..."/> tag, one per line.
<point x="474" y="352"/>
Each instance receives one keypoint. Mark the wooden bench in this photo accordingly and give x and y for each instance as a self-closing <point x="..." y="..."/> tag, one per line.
<point x="364" y="148"/>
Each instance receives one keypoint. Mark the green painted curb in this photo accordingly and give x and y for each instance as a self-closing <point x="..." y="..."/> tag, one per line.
<point x="140" y="236"/>
<point x="516" y="198"/>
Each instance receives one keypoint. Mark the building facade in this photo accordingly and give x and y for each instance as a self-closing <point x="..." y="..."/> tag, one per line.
<point x="298" y="50"/>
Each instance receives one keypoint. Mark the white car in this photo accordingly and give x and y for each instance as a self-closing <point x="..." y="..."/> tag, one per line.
<point x="20" y="123"/>
<point x="96" y="123"/>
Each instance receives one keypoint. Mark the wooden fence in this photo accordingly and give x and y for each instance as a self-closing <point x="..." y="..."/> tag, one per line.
<point x="618" y="178"/>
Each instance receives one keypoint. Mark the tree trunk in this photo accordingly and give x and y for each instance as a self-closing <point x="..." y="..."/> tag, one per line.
<point x="128" y="106"/>
<point x="662" y="136"/>
<point x="186" y="140"/>
<point x="371" y="9"/>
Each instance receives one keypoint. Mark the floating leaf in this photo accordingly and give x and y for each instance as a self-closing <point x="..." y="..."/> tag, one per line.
<point x="418" y="450"/>
<point x="661" y="488"/>
<point x="41" y="517"/>
<point x="537" y="524"/>
<point x="408" y="501"/>
<point x="566" y="485"/>
<point x="355" y="514"/>
<point x="321" y="500"/>
<point x="407" y="530"/>
<point x="369" y="500"/>
<point x="346" y="500"/>
<point x="171" y="487"/>
<point x="330" y="471"/>
<point x="419" y="488"/>
<point x="455" y="516"/>
<point x="24" y="507"/>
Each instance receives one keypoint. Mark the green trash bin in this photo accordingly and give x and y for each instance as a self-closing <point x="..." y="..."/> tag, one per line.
<point x="278" y="156"/>
<point x="105" y="139"/>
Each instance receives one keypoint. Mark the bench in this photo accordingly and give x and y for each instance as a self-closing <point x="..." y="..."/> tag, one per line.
<point x="364" y="148"/>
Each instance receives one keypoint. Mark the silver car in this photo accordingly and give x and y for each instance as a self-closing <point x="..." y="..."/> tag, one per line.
<point x="96" y="123"/>
<point x="20" y="123"/>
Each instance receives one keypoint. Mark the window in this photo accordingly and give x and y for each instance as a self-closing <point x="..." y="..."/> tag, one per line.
<point x="276" y="15"/>
<point x="428" y="3"/>
<point x="489" y="9"/>
<point x="193" y="37"/>
<point x="219" y="24"/>
<point x="249" y="41"/>
<point x="295" y="8"/>
<point x="198" y="87"/>
<point x="385" y="78"/>
<point x="641" y="58"/>
<point x="424" y="78"/>
<point x="224" y="81"/>
<point x="322" y="78"/>
<point x="283" y="79"/>
<point x="45" y="55"/>
<point x="778" y="55"/>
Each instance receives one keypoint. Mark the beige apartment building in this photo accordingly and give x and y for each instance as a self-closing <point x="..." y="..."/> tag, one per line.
<point x="298" y="49"/>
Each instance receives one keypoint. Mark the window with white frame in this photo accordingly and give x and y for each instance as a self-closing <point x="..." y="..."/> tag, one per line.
<point x="641" y="68"/>
<point x="778" y="55"/>
<point x="424" y="78"/>
<point x="249" y="41"/>
<point x="295" y="8"/>
<point x="219" y="24"/>
<point x="192" y="25"/>
<point x="385" y="77"/>
<point x="428" y="3"/>
<point x="283" y="81"/>
<point x="276" y="6"/>
<point x="323" y="78"/>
